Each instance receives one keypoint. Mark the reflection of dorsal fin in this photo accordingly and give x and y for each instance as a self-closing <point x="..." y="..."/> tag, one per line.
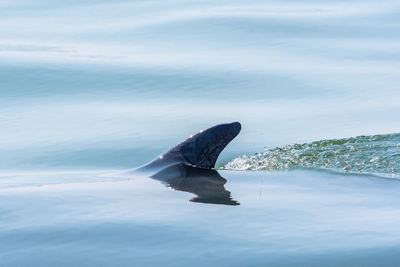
<point x="202" y="149"/>
<point x="207" y="185"/>
<point x="187" y="166"/>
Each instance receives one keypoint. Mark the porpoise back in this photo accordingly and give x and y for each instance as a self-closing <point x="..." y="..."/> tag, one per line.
<point x="200" y="150"/>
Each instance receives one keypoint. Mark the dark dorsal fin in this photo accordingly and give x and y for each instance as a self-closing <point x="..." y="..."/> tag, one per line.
<point x="202" y="149"/>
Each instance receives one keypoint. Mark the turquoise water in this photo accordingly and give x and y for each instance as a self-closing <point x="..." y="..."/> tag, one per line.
<point x="89" y="88"/>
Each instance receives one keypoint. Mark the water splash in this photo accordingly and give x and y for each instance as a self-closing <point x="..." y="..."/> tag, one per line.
<point x="375" y="154"/>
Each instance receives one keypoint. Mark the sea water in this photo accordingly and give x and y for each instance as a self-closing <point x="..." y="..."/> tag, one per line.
<point x="89" y="88"/>
<point x="295" y="218"/>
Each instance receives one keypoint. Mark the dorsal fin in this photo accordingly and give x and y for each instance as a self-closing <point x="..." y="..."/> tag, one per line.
<point x="202" y="149"/>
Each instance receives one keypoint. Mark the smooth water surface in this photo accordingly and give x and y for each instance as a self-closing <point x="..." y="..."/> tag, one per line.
<point x="104" y="85"/>
<point x="284" y="219"/>
<point x="89" y="88"/>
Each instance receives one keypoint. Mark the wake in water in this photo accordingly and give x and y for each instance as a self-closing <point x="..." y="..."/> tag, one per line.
<point x="376" y="154"/>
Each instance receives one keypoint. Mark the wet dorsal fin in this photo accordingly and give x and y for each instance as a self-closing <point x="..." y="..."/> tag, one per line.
<point x="202" y="149"/>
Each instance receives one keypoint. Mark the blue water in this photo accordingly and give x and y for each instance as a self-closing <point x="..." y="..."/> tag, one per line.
<point x="284" y="219"/>
<point x="92" y="84"/>
<point x="100" y="86"/>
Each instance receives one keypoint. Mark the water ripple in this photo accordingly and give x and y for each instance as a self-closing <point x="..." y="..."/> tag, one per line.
<point x="374" y="154"/>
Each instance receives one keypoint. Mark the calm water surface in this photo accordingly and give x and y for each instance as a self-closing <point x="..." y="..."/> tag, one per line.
<point x="90" y="87"/>
<point x="285" y="219"/>
<point x="99" y="85"/>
